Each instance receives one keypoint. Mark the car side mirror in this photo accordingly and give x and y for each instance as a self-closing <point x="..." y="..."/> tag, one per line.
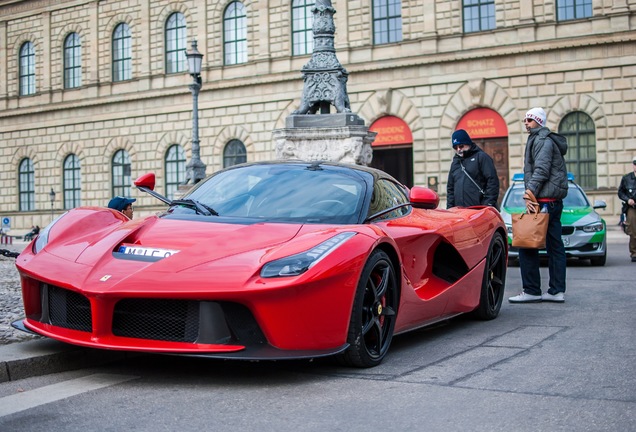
<point x="600" y="204"/>
<point x="146" y="181"/>
<point x="423" y="198"/>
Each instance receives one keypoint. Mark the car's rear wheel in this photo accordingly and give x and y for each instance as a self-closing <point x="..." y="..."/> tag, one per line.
<point x="494" y="280"/>
<point x="374" y="313"/>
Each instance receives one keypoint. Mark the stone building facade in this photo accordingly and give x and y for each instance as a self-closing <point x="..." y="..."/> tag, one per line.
<point x="434" y="72"/>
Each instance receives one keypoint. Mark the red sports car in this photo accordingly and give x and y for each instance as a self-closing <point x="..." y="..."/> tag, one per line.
<point x="268" y="260"/>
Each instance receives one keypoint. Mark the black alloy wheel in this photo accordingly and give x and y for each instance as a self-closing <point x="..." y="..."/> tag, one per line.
<point x="374" y="313"/>
<point x="494" y="280"/>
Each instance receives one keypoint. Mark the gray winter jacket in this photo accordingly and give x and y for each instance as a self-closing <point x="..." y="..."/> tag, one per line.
<point x="544" y="170"/>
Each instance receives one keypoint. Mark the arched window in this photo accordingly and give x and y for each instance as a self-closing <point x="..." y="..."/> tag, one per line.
<point x="573" y="9"/>
<point x="175" y="169"/>
<point x="302" y="22"/>
<point x="579" y="129"/>
<point x="72" y="182"/>
<point x="235" y="34"/>
<point x="387" y="21"/>
<point x="234" y="153"/>
<point x="479" y="15"/>
<point x="121" y="173"/>
<point x="26" y="185"/>
<point x="27" y="69"/>
<point x="122" y="53"/>
<point x="72" y="61"/>
<point x="176" y="43"/>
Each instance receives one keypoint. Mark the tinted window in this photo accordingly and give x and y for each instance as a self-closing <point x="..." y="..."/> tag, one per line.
<point x="515" y="197"/>
<point x="291" y="193"/>
<point x="574" y="198"/>
<point x="386" y="195"/>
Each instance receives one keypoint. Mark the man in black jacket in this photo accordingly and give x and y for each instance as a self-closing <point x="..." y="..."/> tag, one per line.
<point x="472" y="179"/>
<point x="627" y="194"/>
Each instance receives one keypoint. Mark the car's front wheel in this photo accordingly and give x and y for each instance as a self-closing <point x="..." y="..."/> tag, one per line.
<point x="374" y="313"/>
<point x="494" y="280"/>
<point x="599" y="261"/>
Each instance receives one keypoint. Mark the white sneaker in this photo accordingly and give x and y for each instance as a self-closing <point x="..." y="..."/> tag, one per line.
<point x="525" y="298"/>
<point x="557" y="298"/>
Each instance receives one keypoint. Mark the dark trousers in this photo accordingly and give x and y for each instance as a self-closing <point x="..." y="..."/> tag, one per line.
<point x="631" y="230"/>
<point x="529" y="258"/>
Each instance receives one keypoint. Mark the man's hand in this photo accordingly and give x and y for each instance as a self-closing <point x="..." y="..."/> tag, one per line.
<point x="532" y="205"/>
<point x="631" y="202"/>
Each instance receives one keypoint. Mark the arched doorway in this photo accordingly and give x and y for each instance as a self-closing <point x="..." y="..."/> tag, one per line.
<point x="489" y="131"/>
<point x="393" y="148"/>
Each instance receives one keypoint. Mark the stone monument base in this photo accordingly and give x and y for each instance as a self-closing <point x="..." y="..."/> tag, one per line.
<point x="339" y="137"/>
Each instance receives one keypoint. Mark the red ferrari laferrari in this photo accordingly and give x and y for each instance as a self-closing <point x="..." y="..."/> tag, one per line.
<point x="268" y="260"/>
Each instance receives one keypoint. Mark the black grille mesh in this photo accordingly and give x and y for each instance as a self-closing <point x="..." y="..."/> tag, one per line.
<point x="68" y="309"/>
<point x="158" y="319"/>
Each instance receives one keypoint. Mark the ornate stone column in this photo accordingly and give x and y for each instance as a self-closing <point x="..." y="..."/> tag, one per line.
<point x="312" y="132"/>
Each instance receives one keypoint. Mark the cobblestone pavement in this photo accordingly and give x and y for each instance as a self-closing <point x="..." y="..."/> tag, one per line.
<point x="11" y="298"/>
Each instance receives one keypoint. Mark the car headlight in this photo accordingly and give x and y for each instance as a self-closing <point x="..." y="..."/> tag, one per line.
<point x="595" y="227"/>
<point x="43" y="237"/>
<point x="298" y="264"/>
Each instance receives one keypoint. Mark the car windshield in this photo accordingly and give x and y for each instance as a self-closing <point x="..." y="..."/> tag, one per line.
<point x="285" y="193"/>
<point x="574" y="198"/>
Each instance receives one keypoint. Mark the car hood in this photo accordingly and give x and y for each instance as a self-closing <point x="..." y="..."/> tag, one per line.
<point x="190" y="243"/>
<point x="91" y="238"/>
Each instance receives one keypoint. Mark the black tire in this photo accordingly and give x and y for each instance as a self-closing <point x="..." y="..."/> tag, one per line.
<point x="374" y="313"/>
<point x="599" y="261"/>
<point x="494" y="280"/>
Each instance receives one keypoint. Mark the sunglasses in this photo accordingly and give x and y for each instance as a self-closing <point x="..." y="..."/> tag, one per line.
<point x="527" y="120"/>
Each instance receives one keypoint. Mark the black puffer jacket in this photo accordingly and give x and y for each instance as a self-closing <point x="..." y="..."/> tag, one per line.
<point x="544" y="170"/>
<point x="461" y="191"/>
<point x="627" y="188"/>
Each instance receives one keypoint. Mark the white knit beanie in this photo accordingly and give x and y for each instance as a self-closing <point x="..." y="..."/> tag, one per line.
<point x="538" y="115"/>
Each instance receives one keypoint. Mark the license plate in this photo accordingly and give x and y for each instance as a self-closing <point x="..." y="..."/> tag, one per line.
<point x="146" y="251"/>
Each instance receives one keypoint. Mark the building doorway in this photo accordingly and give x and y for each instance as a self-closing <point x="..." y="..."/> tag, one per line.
<point x="497" y="149"/>
<point x="395" y="161"/>
<point x="489" y="131"/>
<point x="393" y="148"/>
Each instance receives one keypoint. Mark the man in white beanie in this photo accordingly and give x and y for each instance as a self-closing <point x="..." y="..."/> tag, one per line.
<point x="627" y="194"/>
<point x="545" y="177"/>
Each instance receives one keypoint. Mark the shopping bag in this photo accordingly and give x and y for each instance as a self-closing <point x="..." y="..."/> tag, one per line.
<point x="529" y="230"/>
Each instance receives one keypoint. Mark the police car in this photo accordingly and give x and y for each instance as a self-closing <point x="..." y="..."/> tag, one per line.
<point x="584" y="230"/>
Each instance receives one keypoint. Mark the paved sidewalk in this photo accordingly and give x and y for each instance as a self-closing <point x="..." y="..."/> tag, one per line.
<point x="39" y="356"/>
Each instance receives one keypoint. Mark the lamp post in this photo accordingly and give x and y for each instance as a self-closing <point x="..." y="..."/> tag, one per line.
<point x="52" y="197"/>
<point x="195" y="169"/>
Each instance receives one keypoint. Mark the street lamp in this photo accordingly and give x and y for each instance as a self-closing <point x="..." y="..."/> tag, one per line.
<point x="195" y="169"/>
<point x="52" y="197"/>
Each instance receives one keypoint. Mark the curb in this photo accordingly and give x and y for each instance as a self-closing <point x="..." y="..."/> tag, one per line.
<point x="46" y="356"/>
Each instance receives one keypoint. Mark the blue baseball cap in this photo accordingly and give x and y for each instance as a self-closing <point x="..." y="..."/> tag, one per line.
<point x="119" y="203"/>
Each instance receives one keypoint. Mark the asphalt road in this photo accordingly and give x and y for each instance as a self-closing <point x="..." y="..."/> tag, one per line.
<point x="537" y="367"/>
